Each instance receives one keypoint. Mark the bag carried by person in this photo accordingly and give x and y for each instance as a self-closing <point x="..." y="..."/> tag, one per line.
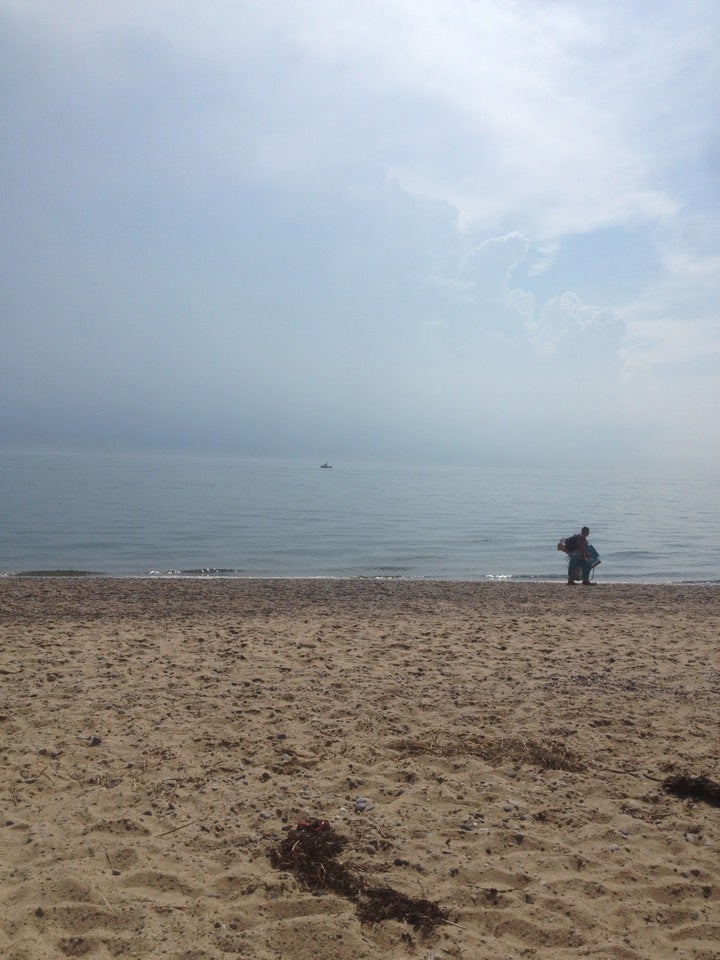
<point x="569" y="544"/>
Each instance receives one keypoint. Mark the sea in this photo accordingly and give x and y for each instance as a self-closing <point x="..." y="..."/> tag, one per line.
<point x="152" y="515"/>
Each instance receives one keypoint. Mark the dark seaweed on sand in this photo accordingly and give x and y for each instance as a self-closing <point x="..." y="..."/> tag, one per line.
<point x="384" y="903"/>
<point x="695" y="788"/>
<point x="311" y="851"/>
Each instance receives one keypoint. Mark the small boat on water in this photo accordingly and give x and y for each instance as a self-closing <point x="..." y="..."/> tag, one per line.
<point x="326" y="466"/>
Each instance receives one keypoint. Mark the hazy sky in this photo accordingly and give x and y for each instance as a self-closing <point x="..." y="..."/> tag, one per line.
<point x="481" y="231"/>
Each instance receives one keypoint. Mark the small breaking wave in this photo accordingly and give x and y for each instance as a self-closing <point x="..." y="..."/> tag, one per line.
<point x="199" y="572"/>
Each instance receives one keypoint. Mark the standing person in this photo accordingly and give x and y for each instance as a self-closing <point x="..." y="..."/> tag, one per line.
<point x="578" y="551"/>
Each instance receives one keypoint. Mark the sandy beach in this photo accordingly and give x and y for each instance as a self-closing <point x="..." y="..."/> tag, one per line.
<point x="498" y="752"/>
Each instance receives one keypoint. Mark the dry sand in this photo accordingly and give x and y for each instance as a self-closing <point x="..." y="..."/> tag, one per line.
<point x="496" y="749"/>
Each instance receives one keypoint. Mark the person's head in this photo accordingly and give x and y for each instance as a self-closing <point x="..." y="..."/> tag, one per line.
<point x="585" y="531"/>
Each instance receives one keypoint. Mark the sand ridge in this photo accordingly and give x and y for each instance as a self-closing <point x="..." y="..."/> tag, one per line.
<point x="498" y="749"/>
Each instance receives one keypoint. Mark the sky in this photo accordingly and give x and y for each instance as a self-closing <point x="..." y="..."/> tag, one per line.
<point x="457" y="231"/>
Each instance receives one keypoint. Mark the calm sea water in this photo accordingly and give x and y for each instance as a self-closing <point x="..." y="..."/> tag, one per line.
<point x="146" y="515"/>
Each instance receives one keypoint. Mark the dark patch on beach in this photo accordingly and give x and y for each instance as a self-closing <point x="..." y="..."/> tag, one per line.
<point x="690" y="787"/>
<point x="310" y="851"/>
<point x="552" y="755"/>
<point x="384" y="903"/>
<point x="55" y="573"/>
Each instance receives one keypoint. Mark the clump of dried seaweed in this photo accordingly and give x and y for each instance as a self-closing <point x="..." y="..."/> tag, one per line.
<point x="311" y="851"/>
<point x="552" y="755"/>
<point x="694" y="788"/>
<point x="384" y="903"/>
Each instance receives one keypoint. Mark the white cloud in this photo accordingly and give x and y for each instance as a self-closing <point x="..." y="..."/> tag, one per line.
<point x="493" y="260"/>
<point x="529" y="97"/>
<point x="560" y="317"/>
<point x="544" y="255"/>
<point x="523" y="303"/>
<point x="550" y="118"/>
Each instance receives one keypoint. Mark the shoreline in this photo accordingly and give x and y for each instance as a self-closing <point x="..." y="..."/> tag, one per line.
<point x="498" y="749"/>
<point x="488" y="580"/>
